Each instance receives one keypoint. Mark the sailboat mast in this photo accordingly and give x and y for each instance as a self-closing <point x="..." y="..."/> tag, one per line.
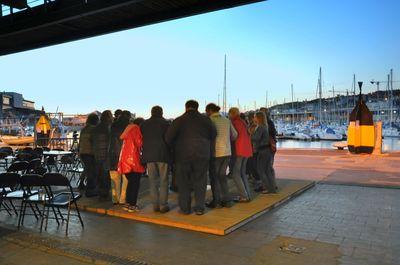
<point x="224" y="94"/>
<point x="391" y="97"/>
<point x="320" y="94"/>
<point x="291" y="88"/>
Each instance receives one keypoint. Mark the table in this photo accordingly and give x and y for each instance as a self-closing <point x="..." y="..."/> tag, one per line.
<point x="56" y="153"/>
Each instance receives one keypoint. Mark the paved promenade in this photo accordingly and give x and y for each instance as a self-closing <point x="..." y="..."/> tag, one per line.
<point x="339" y="167"/>
<point x="329" y="224"/>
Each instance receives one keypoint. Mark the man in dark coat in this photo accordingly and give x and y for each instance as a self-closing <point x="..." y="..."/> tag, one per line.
<point x="101" y="147"/>
<point x="156" y="154"/>
<point x="191" y="136"/>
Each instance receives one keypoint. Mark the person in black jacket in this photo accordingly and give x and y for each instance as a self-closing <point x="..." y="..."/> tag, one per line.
<point x="87" y="155"/>
<point x="118" y="181"/>
<point x="191" y="136"/>
<point x="101" y="146"/>
<point x="156" y="155"/>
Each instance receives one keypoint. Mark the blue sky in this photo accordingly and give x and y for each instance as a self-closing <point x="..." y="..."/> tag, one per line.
<point x="269" y="46"/>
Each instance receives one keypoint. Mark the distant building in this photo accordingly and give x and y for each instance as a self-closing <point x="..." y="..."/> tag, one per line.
<point x="14" y="106"/>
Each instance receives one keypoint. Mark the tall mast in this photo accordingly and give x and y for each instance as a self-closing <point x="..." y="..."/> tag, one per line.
<point x="224" y="94"/>
<point x="291" y="88"/>
<point x="320" y="93"/>
<point x="391" y="97"/>
<point x="266" y="99"/>
<point x="354" y="89"/>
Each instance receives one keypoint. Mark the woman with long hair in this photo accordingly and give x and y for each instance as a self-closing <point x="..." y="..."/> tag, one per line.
<point x="260" y="139"/>
<point x="242" y="151"/>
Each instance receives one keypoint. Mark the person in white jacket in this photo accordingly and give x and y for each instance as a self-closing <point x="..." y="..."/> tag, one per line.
<point x="220" y="158"/>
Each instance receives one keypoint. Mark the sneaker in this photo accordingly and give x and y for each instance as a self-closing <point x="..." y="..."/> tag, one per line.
<point x="125" y="207"/>
<point x="184" y="212"/>
<point x="258" y="189"/>
<point x="133" y="208"/>
<point x="212" y="204"/>
<point x="199" y="212"/>
<point x="241" y="200"/>
<point x="164" y="209"/>
<point x="227" y="204"/>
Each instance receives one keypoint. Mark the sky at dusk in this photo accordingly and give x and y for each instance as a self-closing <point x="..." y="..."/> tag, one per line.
<point x="269" y="46"/>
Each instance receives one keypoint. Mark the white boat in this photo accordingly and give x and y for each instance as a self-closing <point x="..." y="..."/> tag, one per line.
<point x="329" y="134"/>
<point x="390" y="132"/>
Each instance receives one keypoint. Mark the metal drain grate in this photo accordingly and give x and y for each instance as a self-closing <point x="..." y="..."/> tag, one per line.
<point x="72" y="250"/>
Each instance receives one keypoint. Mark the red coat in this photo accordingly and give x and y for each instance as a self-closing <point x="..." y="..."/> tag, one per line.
<point x="243" y="146"/>
<point x="129" y="159"/>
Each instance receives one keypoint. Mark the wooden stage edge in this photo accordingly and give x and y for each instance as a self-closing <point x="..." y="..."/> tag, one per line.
<point x="196" y="226"/>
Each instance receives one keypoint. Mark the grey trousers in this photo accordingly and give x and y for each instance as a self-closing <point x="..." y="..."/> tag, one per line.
<point x="158" y="178"/>
<point x="218" y="179"/>
<point x="265" y="169"/>
<point x="240" y="177"/>
<point x="192" y="175"/>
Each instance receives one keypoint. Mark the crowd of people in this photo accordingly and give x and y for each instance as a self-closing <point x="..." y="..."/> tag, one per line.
<point x="185" y="155"/>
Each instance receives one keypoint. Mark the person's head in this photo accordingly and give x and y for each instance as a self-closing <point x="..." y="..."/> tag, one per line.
<point x="260" y="118"/>
<point x="92" y="119"/>
<point x="106" y="117"/>
<point x="125" y="116"/>
<point x="212" y="108"/>
<point x="233" y="113"/>
<point x="250" y="117"/>
<point x="156" y="111"/>
<point x="191" y="105"/>
<point x="117" y="113"/>
<point x="138" y="121"/>
<point x="266" y="111"/>
<point x="243" y="116"/>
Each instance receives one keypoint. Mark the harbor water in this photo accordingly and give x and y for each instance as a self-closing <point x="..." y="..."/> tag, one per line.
<point x="390" y="144"/>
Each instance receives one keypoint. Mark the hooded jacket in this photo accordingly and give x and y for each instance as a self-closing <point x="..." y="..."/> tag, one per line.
<point x="130" y="160"/>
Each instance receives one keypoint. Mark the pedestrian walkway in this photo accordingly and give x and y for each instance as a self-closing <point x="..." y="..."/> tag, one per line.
<point x="358" y="226"/>
<point x="339" y="167"/>
<point x="218" y="222"/>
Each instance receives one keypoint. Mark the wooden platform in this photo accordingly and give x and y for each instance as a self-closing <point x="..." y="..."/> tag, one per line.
<point x="215" y="221"/>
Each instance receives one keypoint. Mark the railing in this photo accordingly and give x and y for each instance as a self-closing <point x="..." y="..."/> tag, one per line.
<point x="58" y="143"/>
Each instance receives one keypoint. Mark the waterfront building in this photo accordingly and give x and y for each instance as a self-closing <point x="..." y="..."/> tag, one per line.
<point x="382" y="104"/>
<point x="13" y="105"/>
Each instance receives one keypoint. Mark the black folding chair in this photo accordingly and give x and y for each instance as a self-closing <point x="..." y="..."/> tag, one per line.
<point x="3" y="160"/>
<point x="18" y="167"/>
<point x="8" y="184"/>
<point x="33" y="166"/>
<point x="7" y="149"/>
<point x="61" y="200"/>
<point x="24" y="156"/>
<point x="30" y="185"/>
<point x="38" y="152"/>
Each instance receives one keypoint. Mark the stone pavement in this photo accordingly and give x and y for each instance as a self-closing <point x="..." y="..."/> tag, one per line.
<point x="339" y="167"/>
<point x="361" y="221"/>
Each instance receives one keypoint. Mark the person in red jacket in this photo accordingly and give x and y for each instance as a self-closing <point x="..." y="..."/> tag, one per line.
<point x="130" y="163"/>
<point x="243" y="150"/>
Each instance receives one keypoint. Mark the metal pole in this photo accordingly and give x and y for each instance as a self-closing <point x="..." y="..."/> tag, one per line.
<point x="391" y="97"/>
<point x="291" y="88"/>
<point x="224" y="96"/>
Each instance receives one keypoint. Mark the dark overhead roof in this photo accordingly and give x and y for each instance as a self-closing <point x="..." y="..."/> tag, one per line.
<point x="62" y="21"/>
